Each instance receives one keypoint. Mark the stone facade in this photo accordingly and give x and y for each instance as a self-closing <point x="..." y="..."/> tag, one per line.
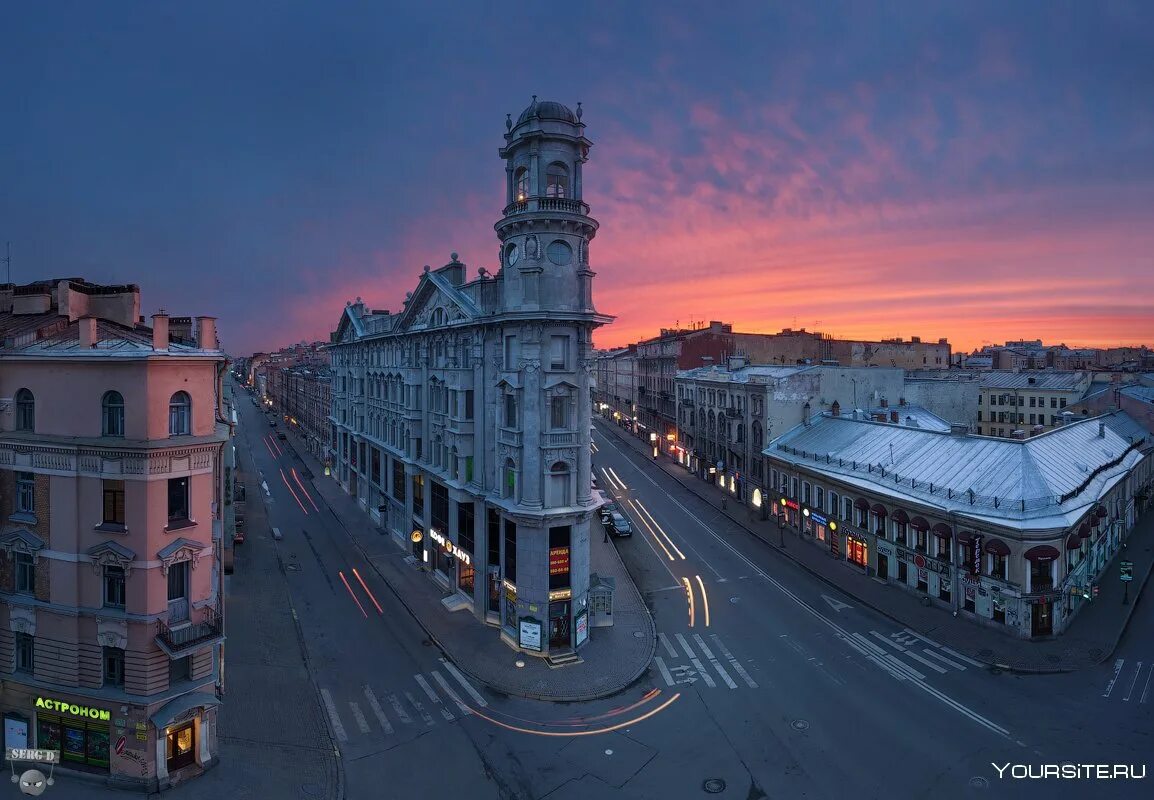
<point x="462" y="423"/>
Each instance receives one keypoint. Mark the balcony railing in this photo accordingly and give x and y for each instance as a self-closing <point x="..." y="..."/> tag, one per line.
<point x="560" y="439"/>
<point x="190" y="636"/>
<point x="509" y="437"/>
<point x="547" y="204"/>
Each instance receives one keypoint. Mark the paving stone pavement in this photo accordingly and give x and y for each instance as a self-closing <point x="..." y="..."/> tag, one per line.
<point x="1090" y="639"/>
<point x="613" y="659"/>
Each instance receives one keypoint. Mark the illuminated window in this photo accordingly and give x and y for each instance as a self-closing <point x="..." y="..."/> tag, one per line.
<point x="520" y="184"/>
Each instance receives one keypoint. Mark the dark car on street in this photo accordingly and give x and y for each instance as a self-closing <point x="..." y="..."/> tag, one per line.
<point x="608" y="510"/>
<point x="619" y="525"/>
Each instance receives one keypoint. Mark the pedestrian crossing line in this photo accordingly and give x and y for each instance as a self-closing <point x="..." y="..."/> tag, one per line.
<point x="1117" y="670"/>
<point x="740" y="670"/>
<point x="713" y="660"/>
<point x="440" y="679"/>
<point x="456" y="673"/>
<point x="665" y="641"/>
<point x="1146" y="690"/>
<point x="415" y="703"/>
<point x="695" y="662"/>
<point x="961" y="657"/>
<point x="943" y="659"/>
<point x="868" y="645"/>
<point x="334" y="718"/>
<point x="890" y="642"/>
<point x="926" y="661"/>
<point x="434" y="697"/>
<point x="378" y="712"/>
<point x="664" y="670"/>
<point x="1133" y="683"/>
<point x="359" y="716"/>
<point x="903" y="667"/>
<point x="399" y="710"/>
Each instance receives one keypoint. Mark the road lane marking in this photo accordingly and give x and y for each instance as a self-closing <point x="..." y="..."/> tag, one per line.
<point x="434" y="697"/>
<point x="664" y="670"/>
<point x="359" y="716"/>
<point x="399" y="710"/>
<point x="378" y="712"/>
<point x="464" y="709"/>
<point x="695" y="662"/>
<point x="713" y="660"/>
<point x="961" y="657"/>
<point x="1133" y="683"/>
<point x="1146" y="690"/>
<point x="942" y="658"/>
<point x="415" y="703"/>
<point x="890" y="642"/>
<point x="461" y="680"/>
<point x="1117" y="669"/>
<point x="334" y="718"/>
<point x="704" y="598"/>
<point x="740" y="670"/>
<point x="665" y="640"/>
<point x="834" y="603"/>
<point x="926" y="661"/>
<point x="868" y="645"/>
<point x="904" y="667"/>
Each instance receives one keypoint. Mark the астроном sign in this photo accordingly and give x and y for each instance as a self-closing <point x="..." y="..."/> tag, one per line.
<point x="71" y="708"/>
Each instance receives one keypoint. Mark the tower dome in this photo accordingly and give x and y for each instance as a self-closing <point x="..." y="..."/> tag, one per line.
<point x="547" y="109"/>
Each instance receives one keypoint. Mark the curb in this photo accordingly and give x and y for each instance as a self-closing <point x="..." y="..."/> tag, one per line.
<point x="830" y="582"/>
<point x="567" y="698"/>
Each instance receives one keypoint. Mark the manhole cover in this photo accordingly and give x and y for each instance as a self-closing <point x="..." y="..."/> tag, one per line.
<point x="1053" y="659"/>
<point x="734" y="600"/>
<point x="799" y="725"/>
<point x="638" y="634"/>
<point x="713" y="785"/>
<point x="985" y="653"/>
<point x="979" y="782"/>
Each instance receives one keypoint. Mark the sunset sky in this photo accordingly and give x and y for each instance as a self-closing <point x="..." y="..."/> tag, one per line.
<point x="978" y="171"/>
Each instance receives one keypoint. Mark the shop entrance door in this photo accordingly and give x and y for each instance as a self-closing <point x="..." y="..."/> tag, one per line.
<point x="883" y="566"/>
<point x="1043" y="623"/>
<point x="181" y="747"/>
<point x="559" y="637"/>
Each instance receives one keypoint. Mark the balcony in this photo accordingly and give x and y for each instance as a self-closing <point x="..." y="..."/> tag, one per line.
<point x="732" y="413"/>
<point x="509" y="437"/>
<point x="186" y="637"/>
<point x="546" y="204"/>
<point x="559" y="439"/>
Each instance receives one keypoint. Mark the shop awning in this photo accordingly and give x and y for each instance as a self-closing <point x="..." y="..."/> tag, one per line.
<point x="167" y="713"/>
<point x="943" y="530"/>
<point x="1042" y="552"/>
<point x="919" y="523"/>
<point x="862" y="503"/>
<point x="879" y="509"/>
<point x="900" y="516"/>
<point x="997" y="547"/>
<point x="1084" y="530"/>
<point x="1073" y="541"/>
<point x="966" y="537"/>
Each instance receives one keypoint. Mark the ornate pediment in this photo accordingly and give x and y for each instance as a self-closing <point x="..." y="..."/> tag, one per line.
<point x="435" y="303"/>
<point x="180" y="550"/>
<point x="111" y="554"/>
<point x="22" y="540"/>
<point x="22" y="619"/>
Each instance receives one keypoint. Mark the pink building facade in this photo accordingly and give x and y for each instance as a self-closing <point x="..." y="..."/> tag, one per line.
<point x="111" y="473"/>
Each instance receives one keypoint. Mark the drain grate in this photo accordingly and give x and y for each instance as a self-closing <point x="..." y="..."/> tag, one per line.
<point x="800" y="725"/>
<point x="713" y="786"/>
<point x="979" y="782"/>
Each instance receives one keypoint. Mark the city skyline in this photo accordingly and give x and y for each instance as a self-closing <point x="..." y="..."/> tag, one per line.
<point x="866" y="173"/>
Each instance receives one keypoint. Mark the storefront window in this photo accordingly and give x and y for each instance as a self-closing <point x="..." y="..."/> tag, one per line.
<point x="79" y="741"/>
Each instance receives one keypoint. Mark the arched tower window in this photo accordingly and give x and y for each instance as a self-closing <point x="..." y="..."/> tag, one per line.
<point x="557" y="180"/>
<point x="520" y="184"/>
<point x="112" y="414"/>
<point x="25" y="411"/>
<point x="560" y="486"/>
<point x="179" y="413"/>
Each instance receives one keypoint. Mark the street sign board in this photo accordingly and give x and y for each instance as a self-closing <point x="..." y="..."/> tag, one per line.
<point x="26" y="754"/>
<point x="1127" y="570"/>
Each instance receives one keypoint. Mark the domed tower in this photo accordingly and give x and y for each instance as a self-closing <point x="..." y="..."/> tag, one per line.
<point x="546" y="228"/>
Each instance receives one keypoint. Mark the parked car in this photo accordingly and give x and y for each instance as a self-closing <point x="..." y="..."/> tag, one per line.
<point x="607" y="512"/>
<point x="281" y="435"/>
<point x="272" y="423"/>
<point x="619" y="525"/>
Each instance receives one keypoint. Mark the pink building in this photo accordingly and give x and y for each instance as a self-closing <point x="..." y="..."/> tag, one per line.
<point x="111" y="469"/>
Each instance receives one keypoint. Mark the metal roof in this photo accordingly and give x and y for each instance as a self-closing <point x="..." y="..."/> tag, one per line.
<point x="1040" y="380"/>
<point x="721" y="374"/>
<point x="1045" y="481"/>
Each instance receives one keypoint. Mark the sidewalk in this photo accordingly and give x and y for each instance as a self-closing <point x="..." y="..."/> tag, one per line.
<point x="612" y="659"/>
<point x="1090" y="639"/>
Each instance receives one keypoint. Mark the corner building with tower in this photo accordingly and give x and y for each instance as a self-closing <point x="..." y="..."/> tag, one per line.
<point x="461" y="423"/>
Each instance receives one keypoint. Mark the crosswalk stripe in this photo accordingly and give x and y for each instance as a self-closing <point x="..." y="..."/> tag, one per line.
<point x="399" y="710"/>
<point x="664" y="670"/>
<point x="890" y="642"/>
<point x="330" y="706"/>
<point x="449" y="691"/>
<point x="1146" y="690"/>
<point x="434" y="697"/>
<point x="740" y="670"/>
<point x="695" y="662"/>
<point x="378" y="712"/>
<point x="903" y="667"/>
<point x="665" y="642"/>
<point x="925" y="661"/>
<point x="712" y="660"/>
<point x="359" y="716"/>
<point x="942" y="658"/>
<point x="867" y="644"/>
<point x="456" y="673"/>
<point x="1117" y="669"/>
<point x="415" y="703"/>
<point x="1133" y="683"/>
<point x="961" y="657"/>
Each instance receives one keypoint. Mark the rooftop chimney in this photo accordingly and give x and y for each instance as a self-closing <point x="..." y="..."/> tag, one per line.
<point x="835" y="409"/>
<point x="894" y="418"/>
<point x="160" y="332"/>
<point x="805" y="414"/>
<point x="959" y="429"/>
<point x="1018" y="434"/>
<point x="206" y="333"/>
<point x="885" y="403"/>
<point x="88" y="334"/>
<point x="1101" y="430"/>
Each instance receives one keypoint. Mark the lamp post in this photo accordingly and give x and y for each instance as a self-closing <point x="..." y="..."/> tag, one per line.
<point x="781" y="522"/>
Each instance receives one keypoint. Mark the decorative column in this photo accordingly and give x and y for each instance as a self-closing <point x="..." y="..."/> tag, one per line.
<point x="531" y="396"/>
<point x="584" y="422"/>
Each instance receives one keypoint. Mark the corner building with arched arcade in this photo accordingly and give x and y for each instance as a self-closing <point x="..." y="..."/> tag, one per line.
<point x="461" y="421"/>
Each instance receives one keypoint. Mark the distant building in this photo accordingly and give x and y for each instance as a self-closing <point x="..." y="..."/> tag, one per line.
<point x="615" y="396"/>
<point x="1011" y="534"/>
<point x="115" y="486"/>
<point x="1021" y="404"/>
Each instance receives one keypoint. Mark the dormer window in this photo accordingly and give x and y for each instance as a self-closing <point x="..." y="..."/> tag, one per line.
<point x="520" y="185"/>
<point x="557" y="180"/>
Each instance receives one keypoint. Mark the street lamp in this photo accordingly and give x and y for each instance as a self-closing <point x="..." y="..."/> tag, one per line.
<point x="781" y="522"/>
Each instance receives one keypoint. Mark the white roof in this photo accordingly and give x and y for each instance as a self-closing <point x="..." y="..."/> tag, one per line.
<point x="1040" y="380"/>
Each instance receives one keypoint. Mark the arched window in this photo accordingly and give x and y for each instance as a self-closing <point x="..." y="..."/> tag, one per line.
<point x="179" y="414"/>
<point x="560" y="486"/>
<point x="756" y="434"/>
<point x="112" y="414"/>
<point x="520" y="184"/>
<point x="25" y="411"/>
<point x="557" y="180"/>
<point x="509" y="480"/>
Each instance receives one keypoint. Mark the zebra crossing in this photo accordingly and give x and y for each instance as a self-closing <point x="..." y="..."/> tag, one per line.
<point x="432" y="696"/>
<point x="905" y="646"/>
<point x="1130" y="683"/>
<point x="675" y="674"/>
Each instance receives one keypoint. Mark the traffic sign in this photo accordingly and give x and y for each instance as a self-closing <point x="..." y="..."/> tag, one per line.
<point x="1127" y="570"/>
<point x="120" y="745"/>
